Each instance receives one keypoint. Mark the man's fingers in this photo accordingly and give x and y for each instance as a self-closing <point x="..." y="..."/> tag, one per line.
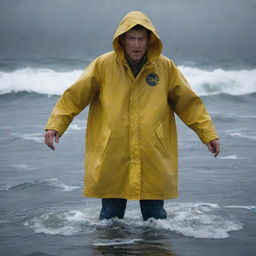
<point x="57" y="137"/>
<point x="217" y="148"/>
<point x="50" y="141"/>
<point x="209" y="145"/>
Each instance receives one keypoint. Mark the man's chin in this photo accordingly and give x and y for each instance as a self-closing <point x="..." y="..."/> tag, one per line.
<point x="136" y="59"/>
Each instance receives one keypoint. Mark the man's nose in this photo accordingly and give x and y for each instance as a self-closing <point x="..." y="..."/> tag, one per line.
<point x="136" y="43"/>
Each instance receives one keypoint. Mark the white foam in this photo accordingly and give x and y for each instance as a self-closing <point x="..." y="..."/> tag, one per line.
<point x="243" y="136"/>
<point x="220" y="81"/>
<point x="22" y="167"/>
<point x="44" y="184"/>
<point x="247" y="207"/>
<point x="6" y="127"/>
<point x="58" y="222"/>
<point x="40" y="225"/>
<point x="58" y="184"/>
<point x="248" y="116"/>
<point x="243" y="133"/>
<point x="39" y="80"/>
<point x="117" y="242"/>
<point x="197" y="220"/>
<point x="36" y="137"/>
<point x="4" y="187"/>
<point x="75" y="127"/>
<point x="48" y="81"/>
<point x="234" y="157"/>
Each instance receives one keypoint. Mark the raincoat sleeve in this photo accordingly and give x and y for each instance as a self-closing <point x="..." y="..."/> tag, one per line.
<point x="74" y="99"/>
<point x="189" y="107"/>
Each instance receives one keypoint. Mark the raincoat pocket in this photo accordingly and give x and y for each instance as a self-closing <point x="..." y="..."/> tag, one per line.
<point x="104" y="142"/>
<point x="160" y="135"/>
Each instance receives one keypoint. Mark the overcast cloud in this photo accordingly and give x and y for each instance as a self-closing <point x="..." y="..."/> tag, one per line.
<point x="82" y="28"/>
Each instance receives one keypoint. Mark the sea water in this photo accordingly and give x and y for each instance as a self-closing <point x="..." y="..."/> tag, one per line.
<point x="42" y="211"/>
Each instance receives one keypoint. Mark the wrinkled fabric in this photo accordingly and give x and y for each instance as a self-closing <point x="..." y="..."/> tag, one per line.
<point x="131" y="139"/>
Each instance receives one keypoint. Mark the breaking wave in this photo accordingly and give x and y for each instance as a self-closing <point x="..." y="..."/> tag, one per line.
<point x="204" y="82"/>
<point x="218" y="81"/>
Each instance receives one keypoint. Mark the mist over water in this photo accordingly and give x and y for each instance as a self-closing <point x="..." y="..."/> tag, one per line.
<point x="84" y="28"/>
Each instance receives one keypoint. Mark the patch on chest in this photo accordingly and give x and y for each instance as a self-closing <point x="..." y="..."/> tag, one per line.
<point x="152" y="79"/>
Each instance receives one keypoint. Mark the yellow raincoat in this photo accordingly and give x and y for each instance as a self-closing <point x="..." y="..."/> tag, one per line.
<point x="131" y="140"/>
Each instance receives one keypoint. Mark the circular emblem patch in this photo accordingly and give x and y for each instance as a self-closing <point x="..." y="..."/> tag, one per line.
<point x="152" y="79"/>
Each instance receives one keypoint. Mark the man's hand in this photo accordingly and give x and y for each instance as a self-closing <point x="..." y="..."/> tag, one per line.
<point x="214" y="147"/>
<point x="49" y="136"/>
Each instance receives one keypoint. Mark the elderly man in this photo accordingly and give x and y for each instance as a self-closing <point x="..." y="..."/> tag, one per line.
<point x="131" y="140"/>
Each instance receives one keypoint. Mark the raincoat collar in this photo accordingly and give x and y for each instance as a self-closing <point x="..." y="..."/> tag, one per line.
<point x="136" y="67"/>
<point x="129" y="21"/>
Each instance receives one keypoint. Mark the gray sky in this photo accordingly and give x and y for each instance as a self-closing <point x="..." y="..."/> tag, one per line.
<point x="84" y="28"/>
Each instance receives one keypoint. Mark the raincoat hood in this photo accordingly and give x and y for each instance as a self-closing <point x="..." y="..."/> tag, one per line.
<point x="129" y="21"/>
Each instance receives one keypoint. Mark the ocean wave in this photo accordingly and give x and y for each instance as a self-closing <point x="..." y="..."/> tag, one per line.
<point x="117" y="242"/>
<point x="247" y="207"/>
<point x="228" y="118"/>
<point x="248" y="116"/>
<point x="42" y="185"/>
<point x="23" y="167"/>
<point x="199" y="220"/>
<point x="58" y="222"/>
<point x="219" y="81"/>
<point x="36" y="137"/>
<point x="242" y="134"/>
<point x="204" y="82"/>
<point x="4" y="187"/>
<point x="3" y="221"/>
<point x="39" y="254"/>
<point x="38" y="80"/>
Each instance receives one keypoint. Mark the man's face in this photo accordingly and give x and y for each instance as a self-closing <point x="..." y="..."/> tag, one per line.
<point x="135" y="44"/>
